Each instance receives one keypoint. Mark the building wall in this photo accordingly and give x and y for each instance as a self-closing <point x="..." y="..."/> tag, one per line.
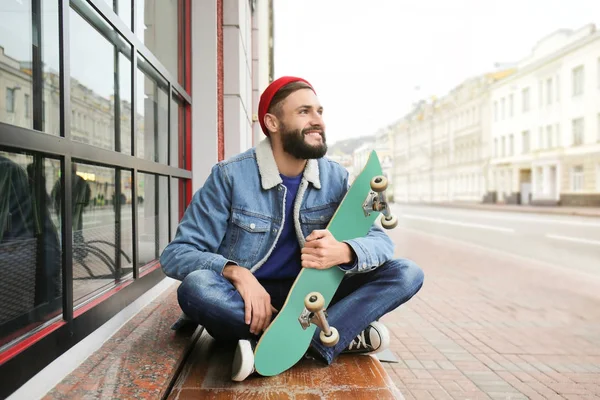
<point x="441" y="146"/>
<point x="534" y="148"/>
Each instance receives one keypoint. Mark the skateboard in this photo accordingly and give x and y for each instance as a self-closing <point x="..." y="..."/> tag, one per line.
<point x="288" y="337"/>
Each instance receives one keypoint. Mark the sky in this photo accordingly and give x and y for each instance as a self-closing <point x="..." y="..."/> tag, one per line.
<point x="370" y="60"/>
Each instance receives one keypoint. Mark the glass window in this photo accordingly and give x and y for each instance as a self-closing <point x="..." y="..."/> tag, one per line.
<point x="122" y="8"/>
<point x="159" y="26"/>
<point x="577" y="127"/>
<point x="99" y="259"/>
<point x="577" y="178"/>
<point x="525" y="99"/>
<point x="178" y="206"/>
<point x="153" y="217"/>
<point x="578" y="81"/>
<point x="526" y="142"/>
<point x="152" y="122"/>
<point x="28" y="32"/>
<point x="98" y="94"/>
<point x="30" y="251"/>
<point x="177" y="134"/>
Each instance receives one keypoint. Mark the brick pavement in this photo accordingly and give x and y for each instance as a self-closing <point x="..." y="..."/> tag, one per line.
<point x="488" y="324"/>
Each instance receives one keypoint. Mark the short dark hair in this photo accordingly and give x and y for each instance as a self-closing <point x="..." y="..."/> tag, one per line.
<point x="283" y="93"/>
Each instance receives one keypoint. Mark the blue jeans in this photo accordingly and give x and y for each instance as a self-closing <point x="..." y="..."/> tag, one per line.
<point x="213" y="302"/>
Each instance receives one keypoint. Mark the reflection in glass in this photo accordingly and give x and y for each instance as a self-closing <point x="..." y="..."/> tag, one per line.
<point x="153" y="217"/>
<point x="158" y="27"/>
<point x="94" y="219"/>
<point x="29" y="65"/>
<point x="152" y="122"/>
<point x="178" y="205"/>
<point x="30" y="252"/>
<point x="95" y="88"/>
<point x="122" y="8"/>
<point x="177" y="134"/>
<point x="124" y="70"/>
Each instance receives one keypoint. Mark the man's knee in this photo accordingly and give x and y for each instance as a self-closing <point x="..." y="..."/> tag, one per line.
<point x="406" y="274"/>
<point x="199" y="287"/>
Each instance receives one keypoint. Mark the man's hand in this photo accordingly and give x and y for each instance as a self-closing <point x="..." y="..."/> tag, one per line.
<point x="323" y="251"/>
<point x="258" y="308"/>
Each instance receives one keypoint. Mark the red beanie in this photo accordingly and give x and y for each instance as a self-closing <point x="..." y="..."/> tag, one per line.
<point x="267" y="97"/>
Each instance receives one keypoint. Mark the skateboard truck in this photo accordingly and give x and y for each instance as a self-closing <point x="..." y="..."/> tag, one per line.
<point x="377" y="201"/>
<point x="315" y="314"/>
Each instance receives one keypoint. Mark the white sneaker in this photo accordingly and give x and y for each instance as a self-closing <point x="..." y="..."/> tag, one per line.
<point x="373" y="339"/>
<point x="243" y="361"/>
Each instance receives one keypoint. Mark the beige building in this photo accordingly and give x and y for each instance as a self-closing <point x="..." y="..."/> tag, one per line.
<point x="440" y="151"/>
<point x="546" y="124"/>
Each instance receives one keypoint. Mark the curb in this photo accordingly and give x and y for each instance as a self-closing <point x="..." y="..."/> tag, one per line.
<point x="524" y="209"/>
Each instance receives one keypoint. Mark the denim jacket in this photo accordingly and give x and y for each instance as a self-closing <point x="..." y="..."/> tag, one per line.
<point x="238" y="214"/>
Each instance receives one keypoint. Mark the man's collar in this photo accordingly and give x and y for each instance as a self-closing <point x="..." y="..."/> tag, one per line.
<point x="269" y="173"/>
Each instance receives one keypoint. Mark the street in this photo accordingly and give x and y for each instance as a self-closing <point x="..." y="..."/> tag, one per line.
<point x="568" y="242"/>
<point x="510" y="307"/>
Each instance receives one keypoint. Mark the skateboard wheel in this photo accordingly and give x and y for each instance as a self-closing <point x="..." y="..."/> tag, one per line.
<point x="379" y="183"/>
<point x="330" y="340"/>
<point x="314" y="301"/>
<point x="389" y="223"/>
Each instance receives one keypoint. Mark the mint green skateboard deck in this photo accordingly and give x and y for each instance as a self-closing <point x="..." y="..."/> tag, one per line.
<point x="285" y="341"/>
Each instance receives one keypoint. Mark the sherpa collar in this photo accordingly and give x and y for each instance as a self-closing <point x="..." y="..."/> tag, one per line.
<point x="268" y="168"/>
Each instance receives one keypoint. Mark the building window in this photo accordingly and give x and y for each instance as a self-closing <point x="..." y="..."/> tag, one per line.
<point x="10" y="100"/>
<point x="540" y="138"/>
<point x="577" y="131"/>
<point x="557" y="133"/>
<point x="549" y="137"/>
<point x="158" y="25"/>
<point x="30" y="250"/>
<point x="578" y="79"/>
<point x="549" y="91"/>
<point x="525" y="99"/>
<point x="511" y="145"/>
<point x="541" y="93"/>
<point x="598" y="72"/>
<point x="496" y="147"/>
<point x="525" y="142"/>
<point x="557" y="88"/>
<point x="598" y="128"/>
<point x="495" y="111"/>
<point x="511" y="105"/>
<point x="502" y="108"/>
<point x="27" y="106"/>
<point x="577" y="179"/>
<point x="503" y="146"/>
<point x="117" y="201"/>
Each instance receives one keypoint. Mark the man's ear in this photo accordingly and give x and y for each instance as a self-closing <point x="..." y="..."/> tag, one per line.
<point x="271" y="122"/>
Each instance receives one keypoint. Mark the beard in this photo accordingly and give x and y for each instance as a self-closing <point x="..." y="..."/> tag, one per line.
<point x="294" y="143"/>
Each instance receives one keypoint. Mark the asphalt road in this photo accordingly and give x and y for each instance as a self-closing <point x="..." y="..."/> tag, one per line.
<point x="567" y="242"/>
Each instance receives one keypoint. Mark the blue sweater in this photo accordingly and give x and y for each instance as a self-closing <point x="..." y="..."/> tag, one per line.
<point x="284" y="262"/>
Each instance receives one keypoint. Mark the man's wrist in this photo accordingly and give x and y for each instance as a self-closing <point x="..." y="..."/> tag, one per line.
<point x="348" y="254"/>
<point x="231" y="272"/>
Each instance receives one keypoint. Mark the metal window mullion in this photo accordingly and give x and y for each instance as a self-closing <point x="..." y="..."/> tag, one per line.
<point x="117" y="206"/>
<point x="117" y="101"/>
<point x="169" y="117"/>
<point x="66" y="176"/>
<point x="37" y="65"/>
<point x="170" y="207"/>
<point x="134" y="221"/>
<point x="156" y="215"/>
<point x="134" y="84"/>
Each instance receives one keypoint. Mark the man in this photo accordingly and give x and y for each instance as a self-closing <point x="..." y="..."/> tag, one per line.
<point x="261" y="217"/>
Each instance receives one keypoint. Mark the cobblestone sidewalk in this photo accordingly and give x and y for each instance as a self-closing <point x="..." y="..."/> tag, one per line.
<point x="488" y="324"/>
